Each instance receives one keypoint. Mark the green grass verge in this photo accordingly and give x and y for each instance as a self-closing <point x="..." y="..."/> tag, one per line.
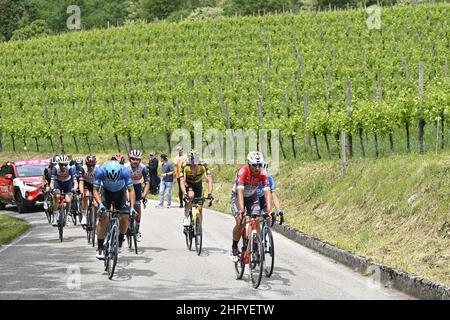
<point x="11" y="228"/>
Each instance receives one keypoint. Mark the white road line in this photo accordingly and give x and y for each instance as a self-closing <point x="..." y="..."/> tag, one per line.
<point x="15" y="241"/>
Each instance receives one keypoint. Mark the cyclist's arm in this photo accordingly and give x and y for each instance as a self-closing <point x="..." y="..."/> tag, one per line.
<point x="131" y="196"/>
<point x="268" y="197"/>
<point x="96" y="195"/>
<point x="208" y="179"/>
<point x="210" y="184"/>
<point x="276" y="202"/>
<point x="182" y="180"/>
<point x="146" y="181"/>
<point x="52" y="179"/>
<point x="240" y="198"/>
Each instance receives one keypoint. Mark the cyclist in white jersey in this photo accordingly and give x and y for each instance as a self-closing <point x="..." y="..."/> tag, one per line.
<point x="138" y="173"/>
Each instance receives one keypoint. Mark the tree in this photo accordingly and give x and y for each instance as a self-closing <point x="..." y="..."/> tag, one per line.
<point x="35" y="29"/>
<point x="161" y="9"/>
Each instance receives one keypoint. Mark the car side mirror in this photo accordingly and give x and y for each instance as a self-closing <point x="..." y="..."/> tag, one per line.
<point x="9" y="176"/>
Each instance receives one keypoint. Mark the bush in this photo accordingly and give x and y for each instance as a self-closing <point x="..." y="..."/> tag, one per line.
<point x="35" y="29"/>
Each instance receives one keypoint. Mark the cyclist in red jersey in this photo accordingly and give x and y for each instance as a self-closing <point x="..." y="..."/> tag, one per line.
<point x="244" y="197"/>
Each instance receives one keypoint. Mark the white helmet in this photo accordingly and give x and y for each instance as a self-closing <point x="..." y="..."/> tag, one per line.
<point x="255" y="158"/>
<point x="136" y="154"/>
<point x="63" y="159"/>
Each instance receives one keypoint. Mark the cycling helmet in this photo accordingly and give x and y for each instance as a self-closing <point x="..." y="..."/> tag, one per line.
<point x="112" y="170"/>
<point x="118" y="157"/>
<point x="255" y="158"/>
<point x="79" y="161"/>
<point x="91" y="160"/>
<point x="193" y="157"/>
<point x="63" y="159"/>
<point x="265" y="165"/>
<point x="136" y="154"/>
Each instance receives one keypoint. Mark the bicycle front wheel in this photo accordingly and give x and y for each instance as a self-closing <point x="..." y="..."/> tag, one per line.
<point x="61" y="222"/>
<point x="256" y="264"/>
<point x="198" y="235"/>
<point x="269" y="251"/>
<point x="135" y="231"/>
<point x="113" y="251"/>
<point x="239" y="265"/>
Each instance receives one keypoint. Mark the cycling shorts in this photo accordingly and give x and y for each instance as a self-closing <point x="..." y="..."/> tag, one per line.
<point x="251" y="205"/>
<point x="117" y="199"/>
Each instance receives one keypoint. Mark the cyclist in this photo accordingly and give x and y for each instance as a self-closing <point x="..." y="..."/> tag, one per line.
<point x="119" y="157"/>
<point x="62" y="179"/>
<point x="138" y="171"/>
<point x="87" y="184"/>
<point x="275" y="200"/>
<point x="244" y="195"/>
<point x="47" y="178"/>
<point x="78" y="170"/>
<point x="191" y="176"/>
<point x="114" y="181"/>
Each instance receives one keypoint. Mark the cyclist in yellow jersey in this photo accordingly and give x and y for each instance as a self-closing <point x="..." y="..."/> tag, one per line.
<point x="191" y="177"/>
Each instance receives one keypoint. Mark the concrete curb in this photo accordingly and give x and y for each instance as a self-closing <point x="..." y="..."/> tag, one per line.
<point x="410" y="284"/>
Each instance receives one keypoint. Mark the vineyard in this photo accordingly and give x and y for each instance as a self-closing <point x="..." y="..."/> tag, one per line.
<point x="307" y="74"/>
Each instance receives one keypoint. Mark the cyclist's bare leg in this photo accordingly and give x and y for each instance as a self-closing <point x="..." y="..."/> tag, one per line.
<point x="188" y="205"/>
<point x="68" y="202"/>
<point x="237" y="230"/>
<point x="101" y="226"/>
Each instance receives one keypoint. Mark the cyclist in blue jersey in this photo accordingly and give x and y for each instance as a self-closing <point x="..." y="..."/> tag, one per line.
<point x="275" y="200"/>
<point x="114" y="180"/>
<point x="62" y="180"/>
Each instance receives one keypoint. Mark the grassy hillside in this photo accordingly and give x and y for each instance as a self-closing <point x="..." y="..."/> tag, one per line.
<point x="367" y="212"/>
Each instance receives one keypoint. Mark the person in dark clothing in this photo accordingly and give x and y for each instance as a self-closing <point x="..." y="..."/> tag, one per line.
<point x="153" y="172"/>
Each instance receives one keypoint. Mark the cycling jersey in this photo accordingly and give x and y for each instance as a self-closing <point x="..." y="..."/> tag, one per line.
<point x="48" y="174"/>
<point x="78" y="173"/>
<point x="100" y="179"/>
<point x="87" y="176"/>
<point x="62" y="175"/>
<point x="137" y="174"/>
<point x="188" y="175"/>
<point x="271" y="185"/>
<point x="245" y="180"/>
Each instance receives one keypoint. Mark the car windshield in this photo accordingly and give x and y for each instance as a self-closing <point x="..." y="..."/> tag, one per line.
<point x="31" y="171"/>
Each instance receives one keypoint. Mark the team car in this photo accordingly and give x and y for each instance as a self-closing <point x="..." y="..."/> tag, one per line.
<point x="21" y="183"/>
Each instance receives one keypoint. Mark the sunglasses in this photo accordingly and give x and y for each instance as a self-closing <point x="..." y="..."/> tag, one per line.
<point x="256" y="166"/>
<point x="135" y="159"/>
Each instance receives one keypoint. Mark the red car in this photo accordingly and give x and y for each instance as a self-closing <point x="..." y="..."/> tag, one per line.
<point x="21" y="183"/>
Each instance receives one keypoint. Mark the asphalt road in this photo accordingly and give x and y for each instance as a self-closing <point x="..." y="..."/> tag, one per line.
<point x="38" y="266"/>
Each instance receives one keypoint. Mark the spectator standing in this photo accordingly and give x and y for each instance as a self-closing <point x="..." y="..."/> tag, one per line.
<point x="153" y="172"/>
<point x="166" y="181"/>
<point x="179" y="160"/>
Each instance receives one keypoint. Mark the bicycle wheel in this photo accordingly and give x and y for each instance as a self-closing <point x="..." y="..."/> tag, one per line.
<point x="198" y="235"/>
<point x="113" y="251"/>
<point x="269" y="251"/>
<point x="61" y="222"/>
<point x="188" y="230"/>
<point x="93" y="218"/>
<point x="129" y="234"/>
<point x="256" y="263"/>
<point x="135" y="231"/>
<point x="240" y="264"/>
